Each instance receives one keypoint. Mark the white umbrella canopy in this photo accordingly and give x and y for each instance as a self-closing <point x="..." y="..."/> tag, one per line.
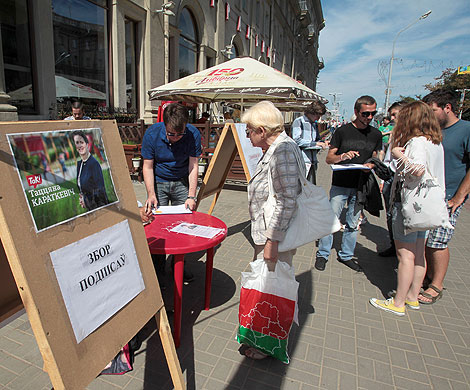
<point x="243" y="80"/>
<point x="64" y="88"/>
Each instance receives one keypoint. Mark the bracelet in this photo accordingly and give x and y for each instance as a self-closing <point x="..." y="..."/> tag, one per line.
<point x="191" y="197"/>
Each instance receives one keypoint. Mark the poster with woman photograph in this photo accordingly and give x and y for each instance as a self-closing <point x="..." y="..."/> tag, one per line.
<point x="64" y="174"/>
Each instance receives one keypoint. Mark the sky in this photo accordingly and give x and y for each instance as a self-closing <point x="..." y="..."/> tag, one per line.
<point x="356" y="46"/>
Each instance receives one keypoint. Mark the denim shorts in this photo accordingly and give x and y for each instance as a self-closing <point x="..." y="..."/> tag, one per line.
<point x="399" y="229"/>
<point x="439" y="238"/>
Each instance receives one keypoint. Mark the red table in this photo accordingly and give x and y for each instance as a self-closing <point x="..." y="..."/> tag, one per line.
<point x="163" y="242"/>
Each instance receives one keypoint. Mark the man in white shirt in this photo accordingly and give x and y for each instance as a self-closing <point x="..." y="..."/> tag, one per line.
<point x="305" y="134"/>
<point x="77" y="112"/>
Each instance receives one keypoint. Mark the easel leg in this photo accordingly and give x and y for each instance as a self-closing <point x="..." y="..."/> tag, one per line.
<point x="209" y="267"/>
<point x="214" y="201"/>
<point x="169" y="348"/>
<point x="178" y="297"/>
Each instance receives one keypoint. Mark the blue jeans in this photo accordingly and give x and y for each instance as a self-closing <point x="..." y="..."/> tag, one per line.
<point x="175" y="192"/>
<point x="338" y="198"/>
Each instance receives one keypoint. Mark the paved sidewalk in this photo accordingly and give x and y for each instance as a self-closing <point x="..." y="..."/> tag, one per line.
<point x="342" y="341"/>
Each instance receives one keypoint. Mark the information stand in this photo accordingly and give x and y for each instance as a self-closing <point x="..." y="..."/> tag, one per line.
<point x="233" y="140"/>
<point x="31" y="241"/>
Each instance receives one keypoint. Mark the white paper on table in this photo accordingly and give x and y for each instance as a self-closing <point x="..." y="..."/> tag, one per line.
<point x="197" y="230"/>
<point x="343" y="167"/>
<point x="97" y="275"/>
<point x="181" y="209"/>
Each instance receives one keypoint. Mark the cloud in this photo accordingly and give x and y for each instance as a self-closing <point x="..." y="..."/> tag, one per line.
<point x="357" y="42"/>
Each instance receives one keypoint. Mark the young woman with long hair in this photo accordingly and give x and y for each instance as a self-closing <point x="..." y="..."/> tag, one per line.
<point x="418" y="129"/>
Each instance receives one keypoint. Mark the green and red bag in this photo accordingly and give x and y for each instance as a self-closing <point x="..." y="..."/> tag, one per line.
<point x="268" y="306"/>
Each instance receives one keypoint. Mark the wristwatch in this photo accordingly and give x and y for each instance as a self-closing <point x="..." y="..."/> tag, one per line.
<point x="191" y="197"/>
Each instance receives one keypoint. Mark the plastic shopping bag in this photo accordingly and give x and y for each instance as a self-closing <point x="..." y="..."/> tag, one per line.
<point x="268" y="306"/>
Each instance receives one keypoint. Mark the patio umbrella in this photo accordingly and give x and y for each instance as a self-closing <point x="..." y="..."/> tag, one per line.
<point x="63" y="88"/>
<point x="243" y="80"/>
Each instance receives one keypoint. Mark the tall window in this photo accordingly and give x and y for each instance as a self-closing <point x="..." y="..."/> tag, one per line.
<point x="80" y="46"/>
<point x="131" y="64"/>
<point x="15" y="41"/>
<point x="188" y="45"/>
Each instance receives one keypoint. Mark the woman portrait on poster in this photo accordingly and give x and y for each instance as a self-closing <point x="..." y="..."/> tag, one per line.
<point x="90" y="179"/>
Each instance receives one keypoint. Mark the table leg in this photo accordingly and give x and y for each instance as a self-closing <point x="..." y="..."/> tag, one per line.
<point x="178" y="297"/>
<point x="209" y="266"/>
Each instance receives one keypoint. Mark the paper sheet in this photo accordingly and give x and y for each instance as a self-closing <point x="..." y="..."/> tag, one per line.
<point x="181" y="209"/>
<point x="197" y="230"/>
<point x="343" y="167"/>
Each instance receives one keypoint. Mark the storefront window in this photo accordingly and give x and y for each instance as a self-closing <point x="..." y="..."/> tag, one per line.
<point x="188" y="45"/>
<point x="15" y="40"/>
<point x="80" y="46"/>
<point x="131" y="64"/>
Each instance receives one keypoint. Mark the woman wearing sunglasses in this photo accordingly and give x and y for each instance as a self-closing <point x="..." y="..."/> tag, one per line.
<point x="416" y="122"/>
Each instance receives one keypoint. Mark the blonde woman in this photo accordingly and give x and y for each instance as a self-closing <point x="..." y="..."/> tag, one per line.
<point x="265" y="128"/>
<point x="416" y="121"/>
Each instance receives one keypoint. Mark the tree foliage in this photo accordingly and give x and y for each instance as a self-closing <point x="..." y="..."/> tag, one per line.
<point x="458" y="82"/>
<point x="408" y="99"/>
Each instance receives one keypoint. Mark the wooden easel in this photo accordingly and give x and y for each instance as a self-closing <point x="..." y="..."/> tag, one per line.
<point x="28" y="254"/>
<point x="227" y="148"/>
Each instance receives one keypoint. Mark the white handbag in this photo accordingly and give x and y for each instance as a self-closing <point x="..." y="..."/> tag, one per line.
<point x="313" y="219"/>
<point x="423" y="201"/>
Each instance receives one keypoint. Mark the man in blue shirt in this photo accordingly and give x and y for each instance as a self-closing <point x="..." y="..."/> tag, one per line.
<point x="456" y="143"/>
<point x="305" y="134"/>
<point x="171" y="150"/>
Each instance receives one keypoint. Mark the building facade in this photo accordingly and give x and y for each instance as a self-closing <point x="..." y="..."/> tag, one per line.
<point x="110" y="53"/>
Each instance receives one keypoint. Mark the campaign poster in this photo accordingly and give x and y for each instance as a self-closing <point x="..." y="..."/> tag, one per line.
<point x="98" y="275"/>
<point x="64" y="174"/>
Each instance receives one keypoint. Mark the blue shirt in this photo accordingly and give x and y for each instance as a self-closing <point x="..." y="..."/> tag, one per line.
<point x="171" y="160"/>
<point x="305" y="134"/>
<point x="456" y="142"/>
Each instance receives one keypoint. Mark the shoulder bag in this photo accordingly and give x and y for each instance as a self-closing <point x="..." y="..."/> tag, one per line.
<point x="422" y="200"/>
<point x="313" y="219"/>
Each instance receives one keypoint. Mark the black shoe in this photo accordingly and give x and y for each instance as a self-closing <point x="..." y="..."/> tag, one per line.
<point x="353" y="265"/>
<point x="389" y="252"/>
<point x="320" y="263"/>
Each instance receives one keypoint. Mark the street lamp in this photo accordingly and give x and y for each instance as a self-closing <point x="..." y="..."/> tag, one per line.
<point x="387" y="91"/>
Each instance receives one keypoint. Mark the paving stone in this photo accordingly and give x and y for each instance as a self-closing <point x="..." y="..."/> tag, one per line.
<point x="383" y="372"/>
<point x="406" y="384"/>
<point x="347" y="381"/>
<point x="440" y="383"/>
<point x="368" y="384"/>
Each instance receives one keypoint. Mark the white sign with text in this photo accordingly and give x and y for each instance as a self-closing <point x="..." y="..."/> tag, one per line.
<point x="252" y="153"/>
<point x="98" y="276"/>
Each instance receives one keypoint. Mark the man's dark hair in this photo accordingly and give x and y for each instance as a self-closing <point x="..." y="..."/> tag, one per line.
<point x="398" y="104"/>
<point x="442" y="97"/>
<point x="205" y="115"/>
<point x="315" y="108"/>
<point x="176" y="115"/>
<point x="77" y="104"/>
<point x="366" y="99"/>
<point x="80" y="133"/>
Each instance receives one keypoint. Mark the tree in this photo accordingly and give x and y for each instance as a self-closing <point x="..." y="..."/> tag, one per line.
<point x="408" y="99"/>
<point x="457" y="82"/>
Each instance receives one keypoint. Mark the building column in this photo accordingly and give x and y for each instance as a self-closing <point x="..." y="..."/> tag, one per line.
<point x="7" y="111"/>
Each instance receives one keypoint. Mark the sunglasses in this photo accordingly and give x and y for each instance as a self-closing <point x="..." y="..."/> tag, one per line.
<point x="249" y="130"/>
<point x="175" y="134"/>
<point x="367" y="114"/>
